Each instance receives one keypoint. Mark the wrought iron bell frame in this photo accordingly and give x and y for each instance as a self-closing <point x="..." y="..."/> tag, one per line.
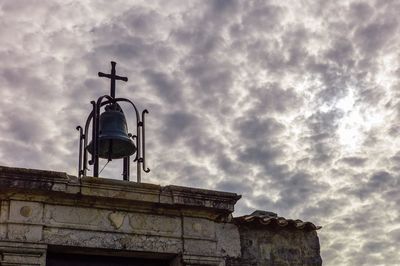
<point x="94" y="120"/>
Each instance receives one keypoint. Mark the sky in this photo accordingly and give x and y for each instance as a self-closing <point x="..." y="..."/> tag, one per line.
<point x="293" y="104"/>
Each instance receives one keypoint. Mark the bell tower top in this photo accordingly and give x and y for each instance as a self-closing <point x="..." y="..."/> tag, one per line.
<point x="113" y="77"/>
<point x="109" y="130"/>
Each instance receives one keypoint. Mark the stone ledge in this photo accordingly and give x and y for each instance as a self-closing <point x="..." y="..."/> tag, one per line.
<point x="203" y="198"/>
<point x="22" y="179"/>
<point x="50" y="183"/>
<point x="23" y="254"/>
<point x="194" y="260"/>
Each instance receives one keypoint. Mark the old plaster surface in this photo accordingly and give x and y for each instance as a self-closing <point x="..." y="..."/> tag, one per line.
<point x="41" y="209"/>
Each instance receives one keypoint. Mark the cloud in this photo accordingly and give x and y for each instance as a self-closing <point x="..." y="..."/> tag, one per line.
<point x="354" y="161"/>
<point x="179" y="125"/>
<point x="271" y="98"/>
<point x="294" y="105"/>
<point x="167" y="88"/>
<point x="373" y="37"/>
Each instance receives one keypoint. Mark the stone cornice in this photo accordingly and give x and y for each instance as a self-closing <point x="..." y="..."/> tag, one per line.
<point x="116" y="193"/>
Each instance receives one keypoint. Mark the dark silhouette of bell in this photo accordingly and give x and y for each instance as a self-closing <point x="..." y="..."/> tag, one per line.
<point x="114" y="142"/>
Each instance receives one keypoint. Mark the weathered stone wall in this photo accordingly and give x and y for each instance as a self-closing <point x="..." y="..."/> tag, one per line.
<point x="42" y="209"/>
<point x="277" y="247"/>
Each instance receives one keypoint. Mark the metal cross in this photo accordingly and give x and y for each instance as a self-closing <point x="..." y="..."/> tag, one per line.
<point x="113" y="78"/>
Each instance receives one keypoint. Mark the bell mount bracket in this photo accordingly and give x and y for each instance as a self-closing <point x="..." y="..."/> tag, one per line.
<point x="93" y="120"/>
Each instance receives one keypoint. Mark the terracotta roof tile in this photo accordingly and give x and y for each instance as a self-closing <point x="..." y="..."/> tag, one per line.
<point x="271" y="220"/>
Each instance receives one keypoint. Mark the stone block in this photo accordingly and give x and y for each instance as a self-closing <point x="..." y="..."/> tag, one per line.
<point x="114" y="241"/>
<point x="82" y="218"/>
<point x="277" y="247"/>
<point x="203" y="198"/>
<point x="77" y="217"/>
<point x="120" y="190"/>
<point x="30" y="233"/>
<point x="4" y="210"/>
<point x="4" y="207"/>
<point x="193" y="260"/>
<point x="228" y="240"/>
<point x="198" y="228"/>
<point x="3" y="231"/>
<point x="155" y="224"/>
<point x="21" y="254"/>
<point x="26" y="212"/>
<point x="200" y="247"/>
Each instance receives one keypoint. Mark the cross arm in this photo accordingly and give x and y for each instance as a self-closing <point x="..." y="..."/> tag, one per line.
<point x="116" y="77"/>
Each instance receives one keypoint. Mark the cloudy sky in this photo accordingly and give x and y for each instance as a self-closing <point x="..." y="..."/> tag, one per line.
<point x="292" y="104"/>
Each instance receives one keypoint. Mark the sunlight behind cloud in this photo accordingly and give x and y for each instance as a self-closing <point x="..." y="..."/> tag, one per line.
<point x="355" y="123"/>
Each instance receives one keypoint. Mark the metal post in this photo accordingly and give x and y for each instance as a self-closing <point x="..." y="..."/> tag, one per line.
<point x="95" y="140"/>
<point x="112" y="86"/>
<point x="126" y="168"/>
<point x="139" y="153"/>
<point x="81" y="137"/>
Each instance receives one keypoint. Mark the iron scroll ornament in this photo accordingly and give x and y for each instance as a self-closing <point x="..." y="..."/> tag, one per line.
<point x="109" y="101"/>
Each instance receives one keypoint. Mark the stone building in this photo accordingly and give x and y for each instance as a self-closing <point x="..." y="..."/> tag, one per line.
<point x="51" y="218"/>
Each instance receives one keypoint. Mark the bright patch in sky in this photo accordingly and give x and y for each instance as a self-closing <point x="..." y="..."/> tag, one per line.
<point x="355" y="124"/>
<point x="351" y="126"/>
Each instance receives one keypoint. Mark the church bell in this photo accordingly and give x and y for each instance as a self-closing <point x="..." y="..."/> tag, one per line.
<point x="114" y="141"/>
